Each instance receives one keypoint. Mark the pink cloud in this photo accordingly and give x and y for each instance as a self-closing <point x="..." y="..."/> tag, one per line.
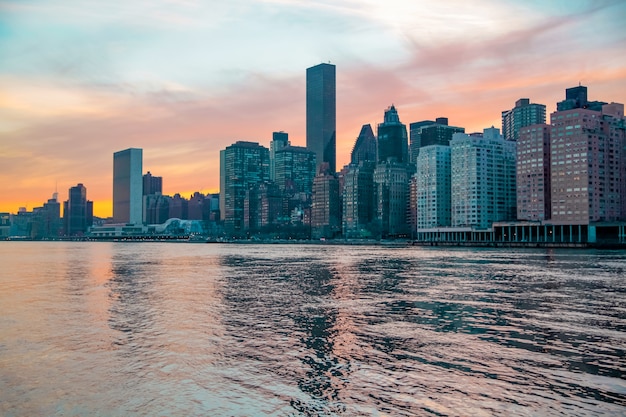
<point x="182" y="128"/>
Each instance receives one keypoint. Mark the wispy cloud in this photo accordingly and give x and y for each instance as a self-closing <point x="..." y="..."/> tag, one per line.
<point x="184" y="79"/>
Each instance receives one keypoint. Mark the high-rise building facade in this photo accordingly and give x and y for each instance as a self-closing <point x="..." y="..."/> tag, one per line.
<point x="523" y="114"/>
<point x="77" y="211"/>
<point x="533" y="173"/>
<point x="242" y="165"/>
<point x="482" y="179"/>
<point x="392" y="143"/>
<point x="128" y="186"/>
<point x="412" y="213"/>
<point x="195" y="206"/>
<point x="152" y="184"/>
<point x="365" y="146"/>
<point x="51" y="217"/>
<point x="391" y="188"/>
<point x="44" y="222"/>
<point x="294" y="169"/>
<point x="427" y="133"/>
<point x="325" y="205"/>
<point x="415" y="129"/>
<point x="588" y="165"/>
<point x="156" y="208"/>
<point x="321" y="119"/>
<point x="262" y="207"/>
<point x="576" y="98"/>
<point x="213" y="208"/>
<point x="433" y="187"/>
<point x="358" y="200"/>
<point x="279" y="140"/>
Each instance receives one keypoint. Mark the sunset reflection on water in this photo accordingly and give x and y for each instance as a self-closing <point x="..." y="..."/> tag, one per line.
<point x="192" y="329"/>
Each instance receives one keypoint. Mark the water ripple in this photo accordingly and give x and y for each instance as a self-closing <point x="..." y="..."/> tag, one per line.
<point x="283" y="330"/>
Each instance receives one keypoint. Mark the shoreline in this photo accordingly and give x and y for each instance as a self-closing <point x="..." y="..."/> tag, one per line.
<point x="339" y="242"/>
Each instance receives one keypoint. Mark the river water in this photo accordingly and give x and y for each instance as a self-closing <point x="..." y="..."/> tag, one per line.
<point x="177" y="329"/>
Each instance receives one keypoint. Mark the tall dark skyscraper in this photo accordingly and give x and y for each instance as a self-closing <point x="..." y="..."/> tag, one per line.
<point x="364" y="147"/>
<point x="77" y="211"/>
<point x="392" y="138"/>
<point x="321" y="109"/>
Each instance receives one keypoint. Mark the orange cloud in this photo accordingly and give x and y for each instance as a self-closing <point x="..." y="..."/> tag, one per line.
<point x="57" y="132"/>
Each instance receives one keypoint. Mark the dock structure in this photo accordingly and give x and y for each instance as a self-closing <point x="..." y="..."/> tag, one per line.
<point x="527" y="234"/>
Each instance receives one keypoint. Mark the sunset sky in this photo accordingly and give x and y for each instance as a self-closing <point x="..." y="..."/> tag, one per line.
<point x="183" y="79"/>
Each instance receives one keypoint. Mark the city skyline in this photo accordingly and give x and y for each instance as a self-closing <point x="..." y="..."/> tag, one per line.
<point x="84" y="84"/>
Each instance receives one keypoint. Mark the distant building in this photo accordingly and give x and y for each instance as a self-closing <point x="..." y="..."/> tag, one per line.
<point x="325" y="205"/>
<point x="483" y="179"/>
<point x="391" y="188"/>
<point x="212" y="206"/>
<point x="321" y="114"/>
<point x="51" y="225"/>
<point x="195" y="206"/>
<point x="427" y="133"/>
<point x="156" y="208"/>
<point x="588" y="167"/>
<point x="533" y="173"/>
<point x="262" y="206"/>
<point x="411" y="216"/>
<point x="41" y="223"/>
<point x="128" y="186"/>
<point x="294" y="169"/>
<point x="415" y="138"/>
<point x="178" y="207"/>
<point x="152" y="184"/>
<point x="433" y="187"/>
<point x="392" y="138"/>
<point x="359" y="200"/>
<point x="5" y="225"/>
<point x="22" y="224"/>
<point x="523" y="114"/>
<point x="576" y="98"/>
<point x="365" y="146"/>
<point x="77" y="212"/>
<point x="279" y="141"/>
<point x="242" y="165"/>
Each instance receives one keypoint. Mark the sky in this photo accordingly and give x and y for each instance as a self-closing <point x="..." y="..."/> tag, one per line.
<point x="183" y="79"/>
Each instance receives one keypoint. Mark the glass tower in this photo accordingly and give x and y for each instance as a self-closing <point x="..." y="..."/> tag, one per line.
<point x="128" y="186"/>
<point x="392" y="138"/>
<point x="77" y="211"/>
<point x="364" y="147"/>
<point x="321" y="117"/>
<point x="242" y="165"/>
